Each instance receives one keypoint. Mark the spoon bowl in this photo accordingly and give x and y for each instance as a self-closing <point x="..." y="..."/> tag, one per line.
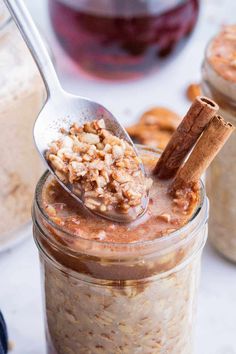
<point x="66" y="110"/>
<point x="62" y="109"/>
<point x="61" y="114"/>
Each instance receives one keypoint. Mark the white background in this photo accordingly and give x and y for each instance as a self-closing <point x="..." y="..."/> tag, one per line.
<point x="20" y="297"/>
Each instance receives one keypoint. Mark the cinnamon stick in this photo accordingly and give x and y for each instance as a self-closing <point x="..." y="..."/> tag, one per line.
<point x="200" y="113"/>
<point x="207" y="147"/>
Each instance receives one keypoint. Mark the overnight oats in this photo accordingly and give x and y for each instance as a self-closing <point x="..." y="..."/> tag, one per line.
<point x="21" y="97"/>
<point x="128" y="287"/>
<point x="219" y="83"/>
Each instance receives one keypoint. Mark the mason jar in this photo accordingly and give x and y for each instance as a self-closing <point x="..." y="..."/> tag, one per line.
<point x="21" y="98"/>
<point x="121" y="38"/>
<point x="219" y="83"/>
<point x="102" y="297"/>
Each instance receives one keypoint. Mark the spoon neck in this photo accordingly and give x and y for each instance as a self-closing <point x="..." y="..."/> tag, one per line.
<point x="49" y="76"/>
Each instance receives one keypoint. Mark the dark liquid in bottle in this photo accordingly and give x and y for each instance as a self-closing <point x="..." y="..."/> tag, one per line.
<point x="122" y="47"/>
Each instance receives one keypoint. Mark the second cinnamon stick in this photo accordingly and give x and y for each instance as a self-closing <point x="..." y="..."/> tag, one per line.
<point x="184" y="138"/>
<point x="207" y="147"/>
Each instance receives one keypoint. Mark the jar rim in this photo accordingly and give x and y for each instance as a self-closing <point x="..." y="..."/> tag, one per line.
<point x="202" y="209"/>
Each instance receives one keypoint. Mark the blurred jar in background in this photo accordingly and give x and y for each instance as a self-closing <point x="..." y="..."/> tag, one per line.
<point x="21" y="98"/>
<point x="122" y="38"/>
<point x="219" y="83"/>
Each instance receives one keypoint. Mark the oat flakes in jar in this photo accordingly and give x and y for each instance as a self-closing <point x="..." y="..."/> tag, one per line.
<point x="219" y="83"/>
<point x="103" y="294"/>
<point x="21" y="98"/>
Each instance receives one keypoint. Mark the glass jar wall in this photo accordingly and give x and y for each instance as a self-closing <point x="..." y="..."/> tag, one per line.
<point x="21" y="98"/>
<point x="219" y="83"/>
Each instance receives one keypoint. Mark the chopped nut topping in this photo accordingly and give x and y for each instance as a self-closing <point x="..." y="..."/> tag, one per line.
<point x="185" y="199"/>
<point x="102" y="168"/>
<point x="51" y="210"/>
<point x="101" y="234"/>
<point x="164" y="217"/>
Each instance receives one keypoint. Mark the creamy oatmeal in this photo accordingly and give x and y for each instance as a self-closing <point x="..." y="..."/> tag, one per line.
<point x="134" y="319"/>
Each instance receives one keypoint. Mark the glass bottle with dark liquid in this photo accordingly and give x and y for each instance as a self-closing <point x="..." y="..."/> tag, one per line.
<point x="122" y="38"/>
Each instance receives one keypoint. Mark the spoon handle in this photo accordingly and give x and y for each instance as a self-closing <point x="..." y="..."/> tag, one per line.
<point x="34" y="41"/>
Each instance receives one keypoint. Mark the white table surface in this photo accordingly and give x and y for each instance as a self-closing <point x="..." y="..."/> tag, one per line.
<point x="20" y="295"/>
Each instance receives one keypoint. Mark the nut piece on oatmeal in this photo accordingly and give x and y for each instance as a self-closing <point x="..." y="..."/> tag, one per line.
<point x="102" y="169"/>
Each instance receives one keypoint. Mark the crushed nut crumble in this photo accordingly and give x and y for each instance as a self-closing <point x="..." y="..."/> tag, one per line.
<point x="165" y="217"/>
<point x="103" y="169"/>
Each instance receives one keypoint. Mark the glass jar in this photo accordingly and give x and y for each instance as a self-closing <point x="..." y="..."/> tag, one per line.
<point x="122" y="38"/>
<point x="219" y="84"/>
<point x="21" y="98"/>
<point x="119" y="297"/>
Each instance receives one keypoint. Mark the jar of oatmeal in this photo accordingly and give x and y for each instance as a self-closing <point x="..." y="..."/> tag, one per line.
<point x="219" y="83"/>
<point x="121" y="38"/>
<point x="116" y="297"/>
<point x="21" y="98"/>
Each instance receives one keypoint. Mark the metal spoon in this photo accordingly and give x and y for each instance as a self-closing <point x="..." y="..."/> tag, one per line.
<point x="62" y="109"/>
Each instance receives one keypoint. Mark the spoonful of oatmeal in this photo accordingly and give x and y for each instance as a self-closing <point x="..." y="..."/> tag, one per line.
<point x="100" y="169"/>
<point x="82" y="143"/>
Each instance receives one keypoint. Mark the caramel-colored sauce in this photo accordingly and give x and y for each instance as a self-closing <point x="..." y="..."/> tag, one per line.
<point x="163" y="216"/>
